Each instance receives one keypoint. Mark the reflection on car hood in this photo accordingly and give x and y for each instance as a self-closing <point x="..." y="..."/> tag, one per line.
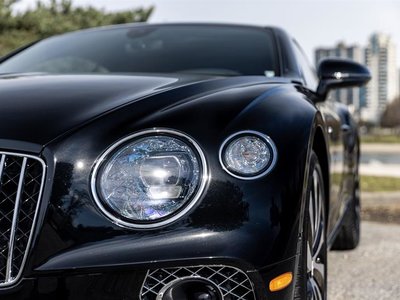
<point x="39" y="108"/>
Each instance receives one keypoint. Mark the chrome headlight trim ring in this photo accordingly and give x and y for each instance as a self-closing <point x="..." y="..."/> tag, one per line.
<point x="265" y="138"/>
<point x="204" y="178"/>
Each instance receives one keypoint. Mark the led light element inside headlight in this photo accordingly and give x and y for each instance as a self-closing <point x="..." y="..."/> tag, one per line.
<point x="248" y="155"/>
<point x="151" y="178"/>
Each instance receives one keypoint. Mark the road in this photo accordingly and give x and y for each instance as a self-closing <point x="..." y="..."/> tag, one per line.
<point x="372" y="271"/>
<point x="380" y="160"/>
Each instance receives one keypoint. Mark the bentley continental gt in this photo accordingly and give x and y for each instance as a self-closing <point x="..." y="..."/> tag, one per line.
<point x="174" y="161"/>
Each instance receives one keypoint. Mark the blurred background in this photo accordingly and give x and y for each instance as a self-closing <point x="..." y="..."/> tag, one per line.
<point x="363" y="30"/>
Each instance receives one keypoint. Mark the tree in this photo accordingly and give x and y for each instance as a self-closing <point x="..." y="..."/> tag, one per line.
<point x="391" y="116"/>
<point x="6" y="18"/>
<point x="58" y="16"/>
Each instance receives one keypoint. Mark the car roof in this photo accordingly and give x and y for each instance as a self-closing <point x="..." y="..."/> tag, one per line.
<point x="200" y="24"/>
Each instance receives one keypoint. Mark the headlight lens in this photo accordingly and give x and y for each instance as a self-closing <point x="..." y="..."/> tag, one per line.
<point x="151" y="178"/>
<point x="248" y="155"/>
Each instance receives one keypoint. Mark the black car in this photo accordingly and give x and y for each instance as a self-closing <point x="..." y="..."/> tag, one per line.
<point x="175" y="161"/>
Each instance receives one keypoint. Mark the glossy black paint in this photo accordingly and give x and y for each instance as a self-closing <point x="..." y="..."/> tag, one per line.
<point x="210" y="218"/>
<point x="70" y="120"/>
<point x="337" y="73"/>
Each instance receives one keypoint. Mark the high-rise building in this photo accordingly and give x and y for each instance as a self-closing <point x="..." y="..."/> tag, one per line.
<point x="380" y="57"/>
<point x="349" y="96"/>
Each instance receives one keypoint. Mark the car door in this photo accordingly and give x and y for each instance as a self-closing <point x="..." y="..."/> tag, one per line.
<point x="336" y="164"/>
<point x="336" y="147"/>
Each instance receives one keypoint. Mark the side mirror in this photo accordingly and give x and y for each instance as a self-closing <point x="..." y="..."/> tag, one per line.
<point x="340" y="73"/>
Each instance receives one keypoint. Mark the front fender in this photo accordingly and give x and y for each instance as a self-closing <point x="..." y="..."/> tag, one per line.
<point x="255" y="223"/>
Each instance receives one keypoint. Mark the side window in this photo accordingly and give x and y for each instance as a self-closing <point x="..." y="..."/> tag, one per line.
<point x="307" y="70"/>
<point x="289" y="65"/>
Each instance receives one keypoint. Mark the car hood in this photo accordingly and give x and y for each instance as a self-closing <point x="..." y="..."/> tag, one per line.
<point x="37" y="109"/>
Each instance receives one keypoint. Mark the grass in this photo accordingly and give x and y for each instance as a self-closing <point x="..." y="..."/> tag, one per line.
<point x="385" y="139"/>
<point x="379" y="184"/>
<point x="374" y="183"/>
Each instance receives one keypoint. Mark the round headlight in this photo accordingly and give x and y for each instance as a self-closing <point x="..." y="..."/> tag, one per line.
<point x="248" y="155"/>
<point x="149" y="179"/>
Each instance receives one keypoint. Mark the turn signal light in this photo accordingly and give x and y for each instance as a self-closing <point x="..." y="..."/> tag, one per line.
<point x="280" y="282"/>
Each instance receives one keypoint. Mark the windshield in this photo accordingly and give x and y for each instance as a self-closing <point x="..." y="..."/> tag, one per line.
<point x="197" y="49"/>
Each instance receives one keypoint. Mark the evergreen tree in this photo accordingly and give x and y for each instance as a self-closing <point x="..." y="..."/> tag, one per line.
<point x="58" y="16"/>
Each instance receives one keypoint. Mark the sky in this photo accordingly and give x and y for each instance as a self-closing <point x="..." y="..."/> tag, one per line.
<point x="314" y="23"/>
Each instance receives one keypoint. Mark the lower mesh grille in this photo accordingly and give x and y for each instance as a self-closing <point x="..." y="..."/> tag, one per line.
<point x="233" y="283"/>
<point x="21" y="182"/>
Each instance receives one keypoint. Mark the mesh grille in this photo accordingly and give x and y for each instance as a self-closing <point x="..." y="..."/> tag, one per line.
<point x="21" y="181"/>
<point x="233" y="283"/>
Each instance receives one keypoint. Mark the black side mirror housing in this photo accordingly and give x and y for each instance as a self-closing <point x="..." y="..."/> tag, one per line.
<point x="340" y="73"/>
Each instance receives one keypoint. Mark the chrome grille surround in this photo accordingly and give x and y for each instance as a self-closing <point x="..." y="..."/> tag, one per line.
<point x="21" y="185"/>
<point x="232" y="282"/>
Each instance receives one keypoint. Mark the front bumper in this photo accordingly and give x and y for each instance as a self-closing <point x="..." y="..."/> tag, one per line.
<point x="126" y="283"/>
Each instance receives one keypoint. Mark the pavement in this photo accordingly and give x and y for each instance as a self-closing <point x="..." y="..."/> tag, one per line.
<point x="382" y="148"/>
<point x="372" y="270"/>
<point x="377" y="168"/>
